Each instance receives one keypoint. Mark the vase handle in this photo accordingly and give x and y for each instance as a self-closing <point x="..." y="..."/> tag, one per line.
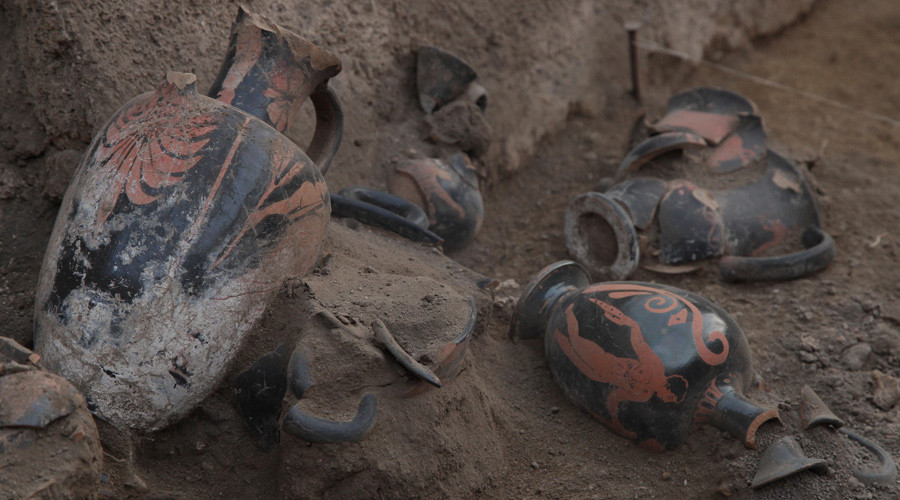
<point x="383" y="210"/>
<point x="329" y="128"/>
<point x="818" y="254"/>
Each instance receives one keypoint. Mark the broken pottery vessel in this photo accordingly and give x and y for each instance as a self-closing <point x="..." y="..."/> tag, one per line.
<point x="447" y="189"/>
<point x="269" y="72"/>
<point x="729" y="197"/>
<point x="384" y="210"/>
<point x="441" y="77"/>
<point x="648" y="360"/>
<point x="49" y="445"/>
<point x="183" y="219"/>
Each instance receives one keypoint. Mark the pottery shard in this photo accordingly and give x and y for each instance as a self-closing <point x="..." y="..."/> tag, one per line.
<point x="887" y="390"/>
<point x="440" y="77"/>
<point x="461" y="124"/>
<point x="35" y="398"/>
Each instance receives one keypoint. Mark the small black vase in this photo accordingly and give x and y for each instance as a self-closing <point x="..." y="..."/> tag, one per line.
<point x="647" y="360"/>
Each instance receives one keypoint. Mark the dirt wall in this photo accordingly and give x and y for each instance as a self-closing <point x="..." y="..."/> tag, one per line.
<point x="71" y="64"/>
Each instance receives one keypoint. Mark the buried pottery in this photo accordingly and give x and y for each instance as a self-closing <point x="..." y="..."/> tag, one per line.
<point x="181" y="223"/>
<point x="447" y="189"/>
<point x="269" y="72"/>
<point x="648" y="360"/>
<point x="183" y="218"/>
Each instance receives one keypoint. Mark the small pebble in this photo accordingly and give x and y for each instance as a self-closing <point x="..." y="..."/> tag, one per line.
<point x="855" y="357"/>
<point x="808" y="357"/>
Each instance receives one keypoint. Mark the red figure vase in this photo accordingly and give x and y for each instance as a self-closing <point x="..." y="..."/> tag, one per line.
<point x="648" y="360"/>
<point x="179" y="225"/>
<point x="447" y="189"/>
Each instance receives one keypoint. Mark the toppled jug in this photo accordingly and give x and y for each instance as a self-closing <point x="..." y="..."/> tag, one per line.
<point x="180" y="224"/>
<point x="647" y="360"/>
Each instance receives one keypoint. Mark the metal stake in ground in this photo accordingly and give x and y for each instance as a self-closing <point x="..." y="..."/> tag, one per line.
<point x="632" y="28"/>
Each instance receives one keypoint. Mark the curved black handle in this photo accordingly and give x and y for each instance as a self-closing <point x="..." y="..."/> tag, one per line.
<point x="885" y="474"/>
<point x="319" y="430"/>
<point x="329" y="128"/>
<point x="818" y="255"/>
<point x="395" y="204"/>
<point x="347" y="204"/>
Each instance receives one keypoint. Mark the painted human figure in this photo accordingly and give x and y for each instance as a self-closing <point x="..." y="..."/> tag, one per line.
<point x="635" y="380"/>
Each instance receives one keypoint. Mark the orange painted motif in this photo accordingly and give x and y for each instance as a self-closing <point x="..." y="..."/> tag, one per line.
<point x="779" y="234"/>
<point x="149" y="147"/>
<point x="287" y="89"/>
<point x="696" y="317"/>
<point x="635" y="380"/>
<point x="248" y="48"/>
<point x="708" y="402"/>
<point x="305" y="201"/>
<point x="429" y="181"/>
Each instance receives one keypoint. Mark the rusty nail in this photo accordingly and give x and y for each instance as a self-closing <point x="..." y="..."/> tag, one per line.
<point x="632" y="28"/>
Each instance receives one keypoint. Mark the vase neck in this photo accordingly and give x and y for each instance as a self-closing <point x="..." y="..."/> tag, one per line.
<point x="269" y="71"/>
<point x="726" y="408"/>
<point x="542" y="296"/>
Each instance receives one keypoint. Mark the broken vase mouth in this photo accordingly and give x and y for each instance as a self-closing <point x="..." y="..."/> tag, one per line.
<point x="601" y="234"/>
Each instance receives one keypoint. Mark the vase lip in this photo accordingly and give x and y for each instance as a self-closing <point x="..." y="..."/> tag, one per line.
<point x="528" y="315"/>
<point x="181" y="81"/>
<point x="767" y="415"/>
<point x="319" y="58"/>
<point x="582" y="246"/>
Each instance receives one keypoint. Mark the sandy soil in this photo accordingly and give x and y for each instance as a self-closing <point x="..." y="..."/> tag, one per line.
<point x="501" y="428"/>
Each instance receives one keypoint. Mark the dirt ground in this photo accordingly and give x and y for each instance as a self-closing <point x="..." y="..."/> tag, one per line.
<point x="502" y="429"/>
<point x="800" y="332"/>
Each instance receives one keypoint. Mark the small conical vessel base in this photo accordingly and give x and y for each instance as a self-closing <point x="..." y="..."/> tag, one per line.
<point x="782" y="459"/>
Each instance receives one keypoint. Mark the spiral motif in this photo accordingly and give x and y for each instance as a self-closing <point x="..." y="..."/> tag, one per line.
<point x="660" y="304"/>
<point x="664" y="301"/>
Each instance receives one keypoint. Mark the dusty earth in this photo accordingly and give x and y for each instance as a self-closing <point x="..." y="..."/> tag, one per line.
<point x="501" y="428"/>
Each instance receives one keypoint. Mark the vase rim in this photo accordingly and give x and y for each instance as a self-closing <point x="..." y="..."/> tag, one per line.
<point x="180" y="80"/>
<point x="319" y="58"/>
<point x="525" y="315"/>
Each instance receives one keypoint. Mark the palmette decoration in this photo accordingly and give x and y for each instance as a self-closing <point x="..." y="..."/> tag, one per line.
<point x="649" y="361"/>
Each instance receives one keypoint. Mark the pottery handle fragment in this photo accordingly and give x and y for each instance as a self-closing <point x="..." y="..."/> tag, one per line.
<point x="329" y="128"/>
<point x="319" y="430"/>
<point x="817" y="256"/>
